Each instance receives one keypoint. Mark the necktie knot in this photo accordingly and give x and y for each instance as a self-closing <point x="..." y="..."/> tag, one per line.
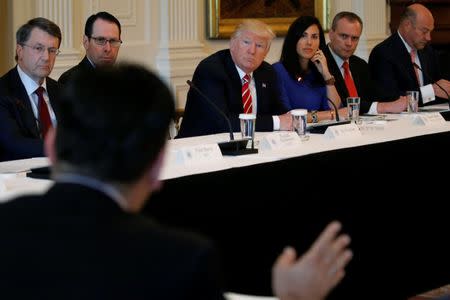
<point x="40" y="91"/>
<point x="246" y="78"/>
<point x="345" y="66"/>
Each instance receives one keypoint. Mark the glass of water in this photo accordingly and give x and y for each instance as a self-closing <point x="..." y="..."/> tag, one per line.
<point x="353" y="104"/>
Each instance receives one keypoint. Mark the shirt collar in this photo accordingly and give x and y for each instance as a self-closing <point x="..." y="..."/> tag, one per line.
<point x="29" y="84"/>
<point x="94" y="184"/>
<point x="339" y="61"/>
<point x="408" y="47"/>
<point x="242" y="73"/>
<point x="92" y="64"/>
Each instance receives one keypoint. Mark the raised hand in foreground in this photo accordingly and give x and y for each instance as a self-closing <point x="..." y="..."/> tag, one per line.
<point x="317" y="272"/>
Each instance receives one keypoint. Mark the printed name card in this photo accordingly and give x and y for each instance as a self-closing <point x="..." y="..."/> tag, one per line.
<point x="343" y="131"/>
<point x="373" y="126"/>
<point x="277" y="140"/>
<point x="428" y="119"/>
<point x="198" y="154"/>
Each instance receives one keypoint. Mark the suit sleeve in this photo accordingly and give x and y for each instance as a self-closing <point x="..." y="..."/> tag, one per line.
<point x="14" y="144"/>
<point x="208" y="281"/>
<point x="200" y="117"/>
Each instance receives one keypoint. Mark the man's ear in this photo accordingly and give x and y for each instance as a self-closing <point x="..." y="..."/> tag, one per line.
<point x="50" y="145"/>
<point x="85" y="42"/>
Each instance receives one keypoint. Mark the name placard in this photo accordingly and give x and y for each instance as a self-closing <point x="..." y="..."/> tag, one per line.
<point x="198" y="154"/>
<point x="373" y="126"/>
<point x="428" y="119"/>
<point x="277" y="140"/>
<point x="343" y="131"/>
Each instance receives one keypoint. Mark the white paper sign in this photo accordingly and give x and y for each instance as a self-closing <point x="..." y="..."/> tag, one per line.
<point x="373" y="126"/>
<point x="198" y="154"/>
<point x="277" y="140"/>
<point x="428" y="119"/>
<point x="343" y="131"/>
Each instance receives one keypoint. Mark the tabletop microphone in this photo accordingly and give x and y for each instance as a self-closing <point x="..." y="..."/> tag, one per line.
<point x="232" y="147"/>
<point x="321" y="128"/>
<point x="336" y="112"/>
<point x="431" y="80"/>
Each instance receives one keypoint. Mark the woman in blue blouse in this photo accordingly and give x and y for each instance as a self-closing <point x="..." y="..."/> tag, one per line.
<point x="303" y="76"/>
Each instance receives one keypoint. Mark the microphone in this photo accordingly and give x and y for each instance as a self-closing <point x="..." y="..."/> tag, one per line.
<point x="232" y="147"/>
<point x="336" y="113"/>
<point x="321" y="128"/>
<point x="444" y="114"/>
<point x="431" y="80"/>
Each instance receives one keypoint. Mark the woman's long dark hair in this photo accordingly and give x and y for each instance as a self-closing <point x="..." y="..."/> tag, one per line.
<point x="289" y="55"/>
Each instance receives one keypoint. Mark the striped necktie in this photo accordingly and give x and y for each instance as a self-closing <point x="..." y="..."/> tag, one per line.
<point x="246" y="95"/>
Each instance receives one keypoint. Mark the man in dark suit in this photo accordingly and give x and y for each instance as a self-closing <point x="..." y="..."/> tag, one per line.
<point x="220" y="78"/>
<point x="28" y="97"/>
<point x="344" y="36"/>
<point x="84" y="238"/>
<point x="391" y="61"/>
<point x="102" y="43"/>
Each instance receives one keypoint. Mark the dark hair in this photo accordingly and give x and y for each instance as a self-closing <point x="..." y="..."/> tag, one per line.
<point x="106" y="128"/>
<point x="289" y="55"/>
<point x="351" y="17"/>
<point x="23" y="33"/>
<point x="100" y="15"/>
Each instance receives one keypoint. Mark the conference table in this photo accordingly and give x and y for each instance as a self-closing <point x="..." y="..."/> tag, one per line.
<point x="386" y="185"/>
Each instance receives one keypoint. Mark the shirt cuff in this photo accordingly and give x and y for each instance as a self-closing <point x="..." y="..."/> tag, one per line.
<point x="276" y="123"/>
<point x="373" y="110"/>
<point x="427" y="92"/>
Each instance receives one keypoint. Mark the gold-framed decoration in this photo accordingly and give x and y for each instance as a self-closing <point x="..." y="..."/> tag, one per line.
<point x="224" y="15"/>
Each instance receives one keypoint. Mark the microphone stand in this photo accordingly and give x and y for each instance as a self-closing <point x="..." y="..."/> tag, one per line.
<point x="232" y="147"/>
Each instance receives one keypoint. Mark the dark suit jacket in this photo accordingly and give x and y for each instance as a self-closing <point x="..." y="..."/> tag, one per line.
<point x="365" y="86"/>
<point x="19" y="133"/>
<point x="76" y="243"/>
<point x="391" y="67"/>
<point x="84" y="65"/>
<point x="216" y="76"/>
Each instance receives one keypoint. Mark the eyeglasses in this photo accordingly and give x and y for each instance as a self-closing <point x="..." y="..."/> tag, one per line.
<point x="101" y="41"/>
<point x="40" y="49"/>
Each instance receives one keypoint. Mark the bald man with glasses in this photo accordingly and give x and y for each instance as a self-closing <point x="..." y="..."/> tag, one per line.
<point x="102" y="43"/>
<point x="28" y="97"/>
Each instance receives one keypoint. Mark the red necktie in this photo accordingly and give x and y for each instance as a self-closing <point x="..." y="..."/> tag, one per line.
<point x="246" y="95"/>
<point x="413" y="60"/>
<point x="44" y="116"/>
<point x="349" y="83"/>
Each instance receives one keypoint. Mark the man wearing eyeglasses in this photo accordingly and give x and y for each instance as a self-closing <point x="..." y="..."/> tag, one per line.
<point x="28" y="97"/>
<point x="102" y="43"/>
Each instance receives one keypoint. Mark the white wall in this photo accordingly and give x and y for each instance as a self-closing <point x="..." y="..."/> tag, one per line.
<point x="166" y="35"/>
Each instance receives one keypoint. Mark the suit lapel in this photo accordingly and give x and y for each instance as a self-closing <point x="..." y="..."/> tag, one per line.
<point x="336" y="71"/>
<point x="236" y="84"/>
<point x="405" y="59"/>
<point x="22" y="104"/>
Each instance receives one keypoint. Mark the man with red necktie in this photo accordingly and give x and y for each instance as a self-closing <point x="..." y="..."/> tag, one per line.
<point x="352" y="72"/>
<point x="27" y="95"/>
<point x="220" y="77"/>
